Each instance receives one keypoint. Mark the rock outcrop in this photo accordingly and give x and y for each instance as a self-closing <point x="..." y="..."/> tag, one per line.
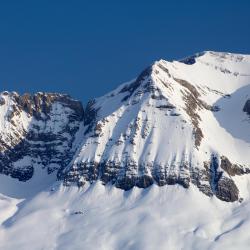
<point x="38" y="131"/>
<point x="246" y="107"/>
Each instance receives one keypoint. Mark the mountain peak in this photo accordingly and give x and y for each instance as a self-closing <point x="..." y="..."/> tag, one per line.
<point x="214" y="57"/>
<point x="157" y="129"/>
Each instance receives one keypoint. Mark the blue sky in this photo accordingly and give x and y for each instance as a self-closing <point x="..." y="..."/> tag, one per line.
<point x="87" y="48"/>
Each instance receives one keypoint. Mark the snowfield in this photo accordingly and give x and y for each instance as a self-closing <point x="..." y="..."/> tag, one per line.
<point x="104" y="217"/>
<point x="161" y="162"/>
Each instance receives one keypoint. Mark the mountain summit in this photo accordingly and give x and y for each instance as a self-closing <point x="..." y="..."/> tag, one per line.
<point x="183" y="122"/>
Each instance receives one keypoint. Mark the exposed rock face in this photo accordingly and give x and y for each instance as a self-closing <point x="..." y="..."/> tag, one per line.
<point x="226" y="190"/>
<point x="209" y="180"/>
<point x="232" y="169"/>
<point x="247" y="107"/>
<point x="191" y="59"/>
<point x="38" y="131"/>
<point x="2" y="101"/>
<point x="222" y="186"/>
<point x="193" y="103"/>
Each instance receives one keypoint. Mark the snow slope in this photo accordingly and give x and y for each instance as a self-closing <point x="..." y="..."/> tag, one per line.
<point x="104" y="217"/>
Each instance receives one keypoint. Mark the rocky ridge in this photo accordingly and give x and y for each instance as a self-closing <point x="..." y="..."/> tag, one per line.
<point x="37" y="131"/>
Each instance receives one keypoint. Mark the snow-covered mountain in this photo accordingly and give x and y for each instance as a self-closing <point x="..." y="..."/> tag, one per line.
<point x="37" y="133"/>
<point x="176" y="123"/>
<point x="184" y="123"/>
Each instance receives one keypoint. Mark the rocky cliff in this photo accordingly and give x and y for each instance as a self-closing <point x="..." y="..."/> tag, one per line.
<point x="37" y="131"/>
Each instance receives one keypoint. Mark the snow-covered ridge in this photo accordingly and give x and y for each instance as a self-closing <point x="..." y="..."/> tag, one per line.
<point x="183" y="122"/>
<point x="37" y="132"/>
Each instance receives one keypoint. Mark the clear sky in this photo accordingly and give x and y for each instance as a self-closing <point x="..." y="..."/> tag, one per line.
<point x="87" y="48"/>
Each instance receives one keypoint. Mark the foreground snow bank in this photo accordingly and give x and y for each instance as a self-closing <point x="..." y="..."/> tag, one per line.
<point x="99" y="217"/>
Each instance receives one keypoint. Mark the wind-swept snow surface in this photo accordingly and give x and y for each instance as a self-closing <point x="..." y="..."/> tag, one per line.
<point x="99" y="217"/>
